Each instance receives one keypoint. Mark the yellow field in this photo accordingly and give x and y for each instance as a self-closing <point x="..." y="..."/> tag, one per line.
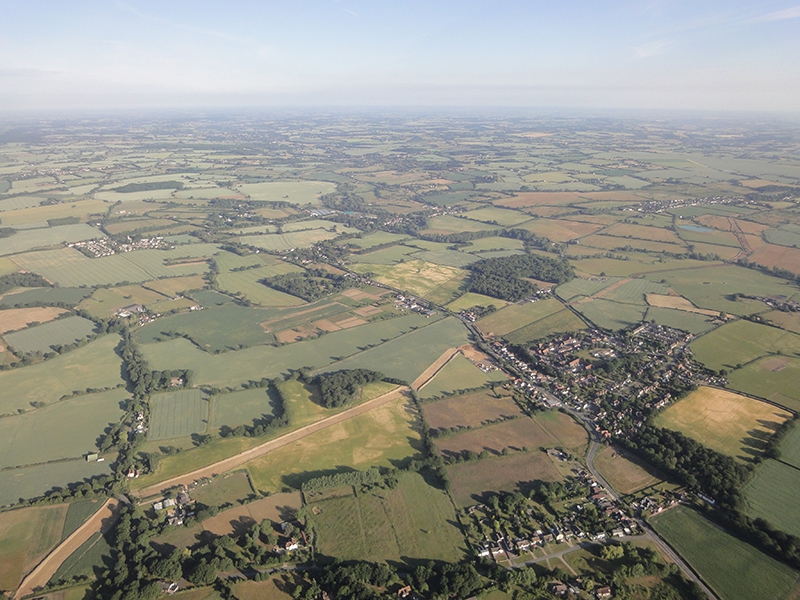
<point x="726" y="422"/>
<point x="414" y="276"/>
<point x="39" y="214"/>
<point x="624" y="474"/>
<point x="678" y="303"/>
<point x="13" y="319"/>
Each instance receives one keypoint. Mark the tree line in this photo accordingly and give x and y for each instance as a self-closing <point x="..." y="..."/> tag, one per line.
<point x="310" y="285"/>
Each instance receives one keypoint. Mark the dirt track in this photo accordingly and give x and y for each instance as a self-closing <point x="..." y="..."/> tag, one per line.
<point x="237" y="460"/>
<point x="431" y="371"/>
<point x="102" y="520"/>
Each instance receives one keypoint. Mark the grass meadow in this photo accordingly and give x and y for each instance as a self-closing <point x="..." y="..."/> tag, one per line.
<point x="562" y="321"/>
<point x="743" y="341"/>
<point x="774" y="378"/>
<point x="772" y="495"/>
<point x="413" y="522"/>
<point x="29" y="482"/>
<point x="517" y="316"/>
<point x="459" y="374"/>
<point x="95" y="365"/>
<point x="56" y="333"/>
<point x="242" y="408"/>
<point x="734" y="570"/>
<point x="625" y="473"/>
<point x="177" y="414"/>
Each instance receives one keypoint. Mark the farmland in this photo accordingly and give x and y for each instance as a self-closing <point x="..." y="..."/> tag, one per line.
<point x="412" y="522"/>
<point x="416" y="277"/>
<point x="66" y="429"/>
<point x="95" y="365"/>
<point x="459" y="374"/>
<point x="771" y="495"/>
<point x="43" y="338"/>
<point x="734" y="570"/>
<point x="773" y="378"/>
<point x="727" y="422"/>
<point x="177" y="414"/>
<point x="242" y="408"/>
<point x="624" y="473"/>
<point x="518" y="316"/>
<point x="741" y="342"/>
<point x="563" y="321"/>
<point x="14" y="319"/>
<point x="471" y="410"/>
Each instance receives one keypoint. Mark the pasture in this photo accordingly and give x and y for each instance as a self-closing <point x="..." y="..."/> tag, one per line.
<point x="772" y="495"/>
<point x="45" y="237"/>
<point x="545" y="430"/>
<point x="489" y="244"/>
<point x="471" y="480"/>
<point x="55" y="333"/>
<point x="26" y="536"/>
<point x="174" y="286"/>
<point x="790" y="447"/>
<point x="106" y="301"/>
<point x="579" y="287"/>
<point x="84" y="561"/>
<point x="26" y="297"/>
<point x="274" y="588"/>
<point x="13" y="319"/>
<point x="518" y="316"/>
<point x="678" y="319"/>
<point x="382" y="437"/>
<point x="611" y="315"/>
<point x="471" y="299"/>
<point x="562" y="321"/>
<point x="410" y="523"/>
<point x="233" y="368"/>
<point x="230" y="487"/>
<point x="376" y="238"/>
<point x="625" y="473"/>
<point x="775" y="378"/>
<point x="459" y="374"/>
<point x="247" y="284"/>
<point x="177" y="414"/>
<point x="449" y="224"/>
<point x="217" y="329"/>
<point x="415" y="277"/>
<point x="40" y="214"/>
<point x="790" y="321"/>
<point x="293" y="192"/>
<point x="242" y="408"/>
<point x="470" y="410"/>
<point x="95" y="365"/>
<point x="386" y="256"/>
<point x="726" y="422"/>
<point x="741" y="342"/>
<point x="66" y="429"/>
<point x="632" y="291"/>
<point x="735" y="570"/>
<point x="282" y="242"/>
<point x="497" y="216"/>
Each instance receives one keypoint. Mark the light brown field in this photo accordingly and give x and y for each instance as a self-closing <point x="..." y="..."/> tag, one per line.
<point x="726" y="422"/>
<point x="782" y="257"/>
<point x="326" y="325"/>
<point x="643" y="232"/>
<point x="754" y="184"/>
<point x="174" y="286"/>
<point x="775" y="364"/>
<point x="475" y="355"/>
<point x="267" y="325"/>
<point x="274" y="588"/>
<point x="471" y="410"/>
<point x="13" y="319"/>
<point x="559" y="230"/>
<point x="276" y="508"/>
<point x="367" y="311"/>
<point x="624" y="472"/>
<point x="787" y="320"/>
<point x="295" y="335"/>
<point x="750" y="227"/>
<point x="359" y="294"/>
<point x="678" y="303"/>
<point x="606" y="242"/>
<point x="350" y="322"/>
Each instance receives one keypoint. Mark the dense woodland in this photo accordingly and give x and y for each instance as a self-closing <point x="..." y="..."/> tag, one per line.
<point x="341" y="387"/>
<point x="310" y="285"/>
<point x="504" y="277"/>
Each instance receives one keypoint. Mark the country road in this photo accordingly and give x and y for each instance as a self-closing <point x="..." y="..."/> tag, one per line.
<point x="237" y="460"/>
<point x="101" y="521"/>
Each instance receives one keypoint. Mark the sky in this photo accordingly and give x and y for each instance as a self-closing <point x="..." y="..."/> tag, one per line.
<point x="726" y="55"/>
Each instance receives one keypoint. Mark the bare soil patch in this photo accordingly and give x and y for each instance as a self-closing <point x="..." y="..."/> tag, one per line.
<point x="775" y="364"/>
<point x="295" y="335"/>
<point x="678" y="303"/>
<point x="326" y="325"/>
<point x="276" y="508"/>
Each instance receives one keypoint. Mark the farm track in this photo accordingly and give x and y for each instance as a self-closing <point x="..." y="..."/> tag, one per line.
<point x="431" y="372"/>
<point x="238" y="460"/>
<point x="746" y="250"/>
<point x="101" y="521"/>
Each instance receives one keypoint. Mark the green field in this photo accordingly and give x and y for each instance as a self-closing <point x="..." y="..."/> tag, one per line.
<point x="383" y="437"/>
<point x="242" y="408"/>
<point x="790" y="447"/>
<point x="494" y="244"/>
<point x="29" y="482"/>
<point x="679" y="319"/>
<point x="780" y="384"/>
<point x="412" y="522"/>
<point x="501" y="216"/>
<point x="518" y="316"/>
<point x="248" y="285"/>
<point x="579" y="287"/>
<point x="43" y="296"/>
<point x="450" y="224"/>
<point x="470" y="299"/>
<point x="611" y="315"/>
<point x="772" y="495"/>
<point x="177" y="414"/>
<point x="449" y="258"/>
<point x="95" y="365"/>
<point x="407" y="357"/>
<point x="386" y="256"/>
<point x="233" y="368"/>
<point x="294" y="192"/>
<point x="734" y="570"/>
<point x="45" y="237"/>
<point x="77" y="513"/>
<point x="67" y="429"/>
<point x="281" y="242"/>
<point x="231" y="487"/>
<point x="85" y="560"/>
<point x="633" y="291"/>
<point x="459" y="374"/>
<point x="741" y="342"/>
<point x="217" y="329"/>
<point x="377" y="238"/>
<point x="105" y="301"/>
<point x="68" y="267"/>
<point x="562" y="321"/>
<point x="56" y="333"/>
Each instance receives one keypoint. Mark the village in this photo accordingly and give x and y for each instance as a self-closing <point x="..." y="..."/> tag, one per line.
<point x="108" y="246"/>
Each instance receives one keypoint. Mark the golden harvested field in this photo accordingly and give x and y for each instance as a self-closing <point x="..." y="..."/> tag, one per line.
<point x="625" y="473"/>
<point x="782" y="257"/>
<point x="414" y="276"/>
<point x="13" y="319"/>
<point x="678" y="303"/>
<point x="726" y="422"/>
<point x="275" y="508"/>
<point x="274" y="588"/>
<point x="470" y="410"/>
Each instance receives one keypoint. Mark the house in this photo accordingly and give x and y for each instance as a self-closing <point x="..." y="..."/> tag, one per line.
<point x="557" y="588"/>
<point x="404" y="592"/>
<point x="603" y="592"/>
<point x="291" y="545"/>
<point x="92" y="457"/>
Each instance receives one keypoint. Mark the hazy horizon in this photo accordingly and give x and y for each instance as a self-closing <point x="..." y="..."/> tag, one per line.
<point x="659" y="55"/>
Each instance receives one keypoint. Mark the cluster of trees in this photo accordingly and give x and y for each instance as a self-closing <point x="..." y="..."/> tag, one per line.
<point x="717" y="475"/>
<point x="311" y="285"/>
<point x="148" y="186"/>
<point x="502" y="277"/>
<point x="773" y="445"/>
<point x="142" y="378"/>
<point x="776" y="271"/>
<point x="12" y="280"/>
<point x="340" y="387"/>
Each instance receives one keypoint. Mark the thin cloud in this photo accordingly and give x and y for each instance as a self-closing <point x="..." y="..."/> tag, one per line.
<point x="655" y="48"/>
<point x="355" y="14"/>
<point x="780" y="15"/>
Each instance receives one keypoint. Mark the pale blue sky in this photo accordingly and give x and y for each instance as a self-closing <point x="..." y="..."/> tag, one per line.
<point x="718" y="55"/>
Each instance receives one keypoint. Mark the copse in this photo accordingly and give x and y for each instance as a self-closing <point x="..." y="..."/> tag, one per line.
<point x="340" y="387"/>
<point x="504" y="277"/>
